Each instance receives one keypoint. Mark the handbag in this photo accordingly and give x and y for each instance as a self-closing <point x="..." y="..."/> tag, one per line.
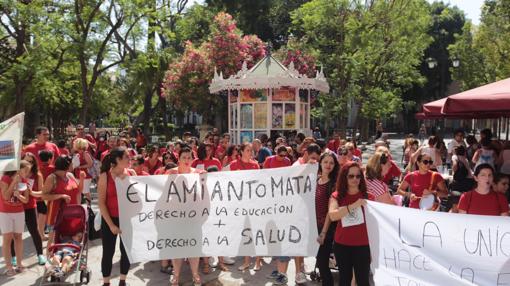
<point x="93" y="233"/>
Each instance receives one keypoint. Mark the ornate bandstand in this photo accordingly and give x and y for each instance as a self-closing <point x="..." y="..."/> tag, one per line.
<point x="268" y="99"/>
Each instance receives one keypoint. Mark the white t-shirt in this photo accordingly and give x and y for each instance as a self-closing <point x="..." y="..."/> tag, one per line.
<point x="451" y="146"/>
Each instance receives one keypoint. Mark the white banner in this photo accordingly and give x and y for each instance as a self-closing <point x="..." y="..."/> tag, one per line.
<point x="416" y="247"/>
<point x="241" y="213"/>
<point x="11" y="134"/>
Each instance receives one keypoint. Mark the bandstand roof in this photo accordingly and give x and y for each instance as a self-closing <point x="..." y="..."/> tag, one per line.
<point x="268" y="73"/>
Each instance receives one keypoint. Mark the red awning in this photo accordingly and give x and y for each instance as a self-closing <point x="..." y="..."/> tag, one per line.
<point x="491" y="99"/>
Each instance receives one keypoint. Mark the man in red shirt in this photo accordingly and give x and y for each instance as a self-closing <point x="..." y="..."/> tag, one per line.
<point x="334" y="143"/>
<point x="42" y="143"/>
<point x="113" y="141"/>
<point x="279" y="160"/>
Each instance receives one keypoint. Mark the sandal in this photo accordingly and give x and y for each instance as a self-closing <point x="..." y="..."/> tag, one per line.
<point x="244" y="267"/>
<point x="9" y="272"/>
<point x="196" y="280"/>
<point x="174" y="281"/>
<point x="167" y="270"/>
<point x="257" y="267"/>
<point x="207" y="269"/>
<point x="222" y="267"/>
<point x="20" y="269"/>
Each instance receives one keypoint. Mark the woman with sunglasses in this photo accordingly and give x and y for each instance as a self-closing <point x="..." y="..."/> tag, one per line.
<point x="232" y="154"/>
<point x="351" y="247"/>
<point x="279" y="160"/>
<point x="422" y="183"/>
<point x="114" y="165"/>
<point x="168" y="158"/>
<point x="35" y="184"/>
<point x="328" y="170"/>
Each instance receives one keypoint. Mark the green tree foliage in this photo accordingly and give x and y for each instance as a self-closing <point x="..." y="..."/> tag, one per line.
<point x="484" y="51"/>
<point x="370" y="50"/>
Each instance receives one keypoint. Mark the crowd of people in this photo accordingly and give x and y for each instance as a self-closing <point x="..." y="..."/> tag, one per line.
<point x="52" y="175"/>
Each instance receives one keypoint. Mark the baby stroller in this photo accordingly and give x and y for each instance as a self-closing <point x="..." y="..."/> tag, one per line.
<point x="71" y="220"/>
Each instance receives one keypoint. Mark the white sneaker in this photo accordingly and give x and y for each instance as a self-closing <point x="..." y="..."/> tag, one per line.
<point x="228" y="260"/>
<point x="300" y="278"/>
<point x="213" y="261"/>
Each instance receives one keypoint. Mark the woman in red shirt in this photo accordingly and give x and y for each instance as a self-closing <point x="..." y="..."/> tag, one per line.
<point x="483" y="200"/>
<point x="374" y="178"/>
<point x="231" y="155"/>
<point x="80" y="147"/>
<point x="60" y="188"/>
<point x="423" y="182"/>
<point x="152" y="161"/>
<point x="205" y="157"/>
<point x="185" y="167"/>
<point x="115" y="165"/>
<point x="14" y="188"/>
<point x="246" y="163"/>
<point x="35" y="183"/>
<point x="351" y="248"/>
<point x="328" y="170"/>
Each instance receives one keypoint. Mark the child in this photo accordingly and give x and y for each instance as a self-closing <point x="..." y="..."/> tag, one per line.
<point x="62" y="260"/>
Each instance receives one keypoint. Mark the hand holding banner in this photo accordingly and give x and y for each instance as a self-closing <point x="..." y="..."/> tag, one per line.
<point x="239" y="213"/>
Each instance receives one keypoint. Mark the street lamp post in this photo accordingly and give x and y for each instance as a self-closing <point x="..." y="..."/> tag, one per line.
<point x="433" y="63"/>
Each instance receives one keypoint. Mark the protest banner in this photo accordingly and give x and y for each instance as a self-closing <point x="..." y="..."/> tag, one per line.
<point x="11" y="134"/>
<point x="239" y="213"/>
<point x="416" y="247"/>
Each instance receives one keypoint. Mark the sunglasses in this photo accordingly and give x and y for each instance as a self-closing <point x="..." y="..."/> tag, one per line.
<point x="427" y="162"/>
<point x="282" y="155"/>
<point x="353" y="176"/>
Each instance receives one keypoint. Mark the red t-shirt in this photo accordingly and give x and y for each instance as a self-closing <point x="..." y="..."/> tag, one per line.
<point x="46" y="170"/>
<point x="64" y="151"/>
<point x="220" y="151"/>
<point x="207" y="163"/>
<point x="333" y="145"/>
<point x="357" y="153"/>
<point x="420" y="182"/>
<point x="77" y="171"/>
<point x="240" y="165"/>
<point x="32" y="202"/>
<point x="273" y="162"/>
<point x="69" y="187"/>
<point x="104" y="154"/>
<point x="142" y="173"/>
<point x="35" y="148"/>
<point x="393" y="172"/>
<point x="175" y="171"/>
<point x="490" y="204"/>
<point x="8" y="205"/>
<point x="153" y="168"/>
<point x="355" y="235"/>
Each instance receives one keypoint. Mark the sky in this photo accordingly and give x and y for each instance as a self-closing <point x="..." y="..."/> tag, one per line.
<point x="472" y="8"/>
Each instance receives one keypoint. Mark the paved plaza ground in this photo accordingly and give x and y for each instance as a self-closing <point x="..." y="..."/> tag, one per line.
<point x="149" y="274"/>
